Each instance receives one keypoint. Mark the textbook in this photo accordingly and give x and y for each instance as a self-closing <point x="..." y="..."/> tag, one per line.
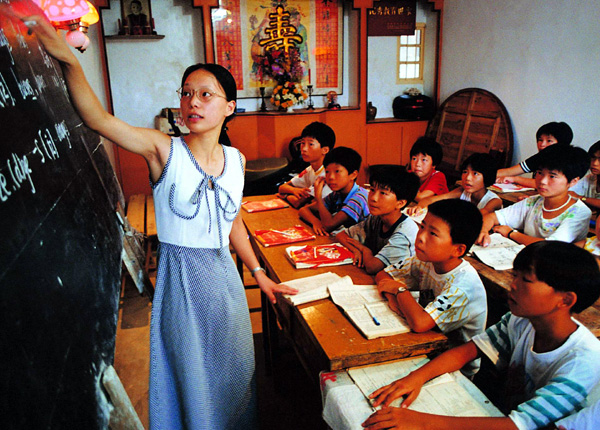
<point x="311" y="257"/>
<point x="509" y="188"/>
<point x="499" y="254"/>
<point x="314" y="287"/>
<point x="265" y="205"/>
<point x="450" y="394"/>
<point x="367" y="310"/>
<point x="273" y="237"/>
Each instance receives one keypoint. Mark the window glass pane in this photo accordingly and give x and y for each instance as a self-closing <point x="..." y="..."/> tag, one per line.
<point x="411" y="40"/>
<point x="417" y="72"/>
<point x="402" y="71"/>
<point x="403" y="53"/>
<point x="410" y="54"/>
<point x="417" y="54"/>
<point x="410" y="71"/>
<point x="417" y="36"/>
<point x="403" y="40"/>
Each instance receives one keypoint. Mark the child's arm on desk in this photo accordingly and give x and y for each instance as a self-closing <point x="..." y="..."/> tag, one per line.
<point x="410" y="387"/>
<point x="296" y="196"/>
<point x="363" y="256"/>
<point x="417" y="318"/>
<point x="307" y="213"/>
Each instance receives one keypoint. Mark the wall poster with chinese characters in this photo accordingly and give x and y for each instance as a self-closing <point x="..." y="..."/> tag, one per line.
<point x="252" y="38"/>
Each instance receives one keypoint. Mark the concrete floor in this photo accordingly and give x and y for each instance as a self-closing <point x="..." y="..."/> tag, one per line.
<point x="287" y="399"/>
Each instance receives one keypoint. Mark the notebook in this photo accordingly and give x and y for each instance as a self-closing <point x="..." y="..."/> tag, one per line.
<point x="273" y="237"/>
<point x="311" y="257"/>
<point x="265" y="205"/>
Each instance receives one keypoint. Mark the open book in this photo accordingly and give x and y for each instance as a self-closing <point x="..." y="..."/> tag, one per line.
<point x="499" y="254"/>
<point x="265" y="205"/>
<point x="310" y="257"/>
<point x="273" y="237"/>
<point x="450" y="394"/>
<point x="509" y="188"/>
<point x="367" y="310"/>
<point x="314" y="287"/>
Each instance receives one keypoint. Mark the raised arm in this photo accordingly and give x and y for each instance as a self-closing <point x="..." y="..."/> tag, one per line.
<point x="151" y="144"/>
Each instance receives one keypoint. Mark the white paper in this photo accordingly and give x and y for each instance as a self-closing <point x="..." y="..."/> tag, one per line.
<point x="314" y="287"/>
<point x="499" y="254"/>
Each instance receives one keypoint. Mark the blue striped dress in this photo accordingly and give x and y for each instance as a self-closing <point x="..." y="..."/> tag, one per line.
<point x="201" y="349"/>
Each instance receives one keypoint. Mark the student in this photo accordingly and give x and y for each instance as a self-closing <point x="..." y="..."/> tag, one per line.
<point x="478" y="173"/>
<point x="201" y="347"/>
<point x="386" y="236"/>
<point x="588" y="189"/>
<point x="425" y="155"/>
<point x="347" y="204"/>
<point x="553" y="133"/>
<point x="317" y="140"/>
<point x="551" y="359"/>
<point x="553" y="214"/>
<point x="457" y="300"/>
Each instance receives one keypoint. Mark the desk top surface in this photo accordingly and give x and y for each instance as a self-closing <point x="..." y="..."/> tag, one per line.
<point x="342" y="343"/>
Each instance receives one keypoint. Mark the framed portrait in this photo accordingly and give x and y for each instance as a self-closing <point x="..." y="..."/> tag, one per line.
<point x="137" y="17"/>
<point x="242" y="29"/>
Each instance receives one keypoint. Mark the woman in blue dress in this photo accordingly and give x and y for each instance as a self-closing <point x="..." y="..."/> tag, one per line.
<point x="201" y="349"/>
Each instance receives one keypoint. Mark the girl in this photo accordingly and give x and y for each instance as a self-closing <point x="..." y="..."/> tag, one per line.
<point x="553" y="214"/>
<point x="478" y="173"/>
<point x="201" y="348"/>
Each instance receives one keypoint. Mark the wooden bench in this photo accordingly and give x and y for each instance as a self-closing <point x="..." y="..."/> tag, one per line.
<point x="140" y="213"/>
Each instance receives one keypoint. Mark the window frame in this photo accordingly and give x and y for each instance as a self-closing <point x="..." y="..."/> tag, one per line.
<point x="420" y="79"/>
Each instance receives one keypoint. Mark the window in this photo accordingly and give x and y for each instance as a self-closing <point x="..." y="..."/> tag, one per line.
<point x="411" y="50"/>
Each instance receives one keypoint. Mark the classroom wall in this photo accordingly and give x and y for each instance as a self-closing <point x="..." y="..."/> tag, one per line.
<point x="540" y="57"/>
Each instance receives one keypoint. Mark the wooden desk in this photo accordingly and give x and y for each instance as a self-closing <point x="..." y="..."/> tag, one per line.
<point x="511" y="198"/>
<point x="324" y="339"/>
<point x="497" y="284"/>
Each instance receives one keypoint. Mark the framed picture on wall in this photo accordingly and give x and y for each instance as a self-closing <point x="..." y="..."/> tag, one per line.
<point x="244" y="29"/>
<point x="136" y="17"/>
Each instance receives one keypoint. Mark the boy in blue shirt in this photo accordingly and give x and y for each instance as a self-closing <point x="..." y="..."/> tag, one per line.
<point x="347" y="204"/>
<point x="552" y="360"/>
<point x="386" y="236"/>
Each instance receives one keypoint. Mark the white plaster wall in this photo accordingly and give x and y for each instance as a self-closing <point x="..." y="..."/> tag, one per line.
<point x="144" y="74"/>
<point x="382" y="56"/>
<point x="91" y="62"/>
<point x="540" y="57"/>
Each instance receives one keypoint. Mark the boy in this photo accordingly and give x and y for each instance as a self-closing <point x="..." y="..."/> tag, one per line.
<point x="587" y="189"/>
<point x="425" y="155"/>
<point x="457" y="300"/>
<point x="317" y="140"/>
<point x="553" y="214"/>
<point x="553" y="133"/>
<point x="347" y="204"/>
<point x="387" y="236"/>
<point x="552" y="360"/>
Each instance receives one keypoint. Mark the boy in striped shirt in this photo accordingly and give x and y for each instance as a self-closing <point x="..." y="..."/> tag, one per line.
<point x="552" y="360"/>
<point x="347" y="204"/>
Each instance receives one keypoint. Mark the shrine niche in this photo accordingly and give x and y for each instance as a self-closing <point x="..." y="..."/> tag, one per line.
<point x="248" y="36"/>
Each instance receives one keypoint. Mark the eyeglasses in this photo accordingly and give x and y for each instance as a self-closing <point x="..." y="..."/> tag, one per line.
<point x="203" y="94"/>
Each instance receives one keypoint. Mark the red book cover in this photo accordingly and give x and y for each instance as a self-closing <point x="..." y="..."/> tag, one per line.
<point x="273" y="237"/>
<point x="265" y="205"/>
<point x="310" y="257"/>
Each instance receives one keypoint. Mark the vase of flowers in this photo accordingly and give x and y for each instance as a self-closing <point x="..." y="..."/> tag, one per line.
<point x="287" y="94"/>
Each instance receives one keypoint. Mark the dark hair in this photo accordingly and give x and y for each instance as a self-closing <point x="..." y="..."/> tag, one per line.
<point x="560" y="130"/>
<point x="484" y="164"/>
<point x="428" y="146"/>
<point x="322" y="133"/>
<point x="344" y="156"/>
<point x="227" y="82"/>
<point x="463" y="218"/>
<point x="594" y="148"/>
<point x="563" y="266"/>
<point x="403" y="184"/>
<point x="572" y="161"/>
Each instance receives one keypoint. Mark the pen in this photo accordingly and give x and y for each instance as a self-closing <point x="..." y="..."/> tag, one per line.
<point x="375" y="320"/>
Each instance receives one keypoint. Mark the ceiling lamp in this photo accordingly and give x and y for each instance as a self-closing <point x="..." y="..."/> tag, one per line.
<point x="74" y="16"/>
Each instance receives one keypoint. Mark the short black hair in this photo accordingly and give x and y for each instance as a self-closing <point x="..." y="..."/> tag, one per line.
<point x="572" y="161"/>
<point x="428" y="146"/>
<point x="484" y="164"/>
<point x="563" y="266"/>
<point x="463" y="218"/>
<point x="560" y="130"/>
<point x="322" y="133"/>
<point x="594" y="148"/>
<point x="403" y="184"/>
<point x="344" y="156"/>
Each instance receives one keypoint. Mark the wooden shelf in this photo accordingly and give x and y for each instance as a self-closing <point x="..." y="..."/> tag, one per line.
<point x="136" y="37"/>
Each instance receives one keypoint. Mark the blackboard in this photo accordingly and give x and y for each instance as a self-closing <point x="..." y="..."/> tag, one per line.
<point x="61" y="244"/>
